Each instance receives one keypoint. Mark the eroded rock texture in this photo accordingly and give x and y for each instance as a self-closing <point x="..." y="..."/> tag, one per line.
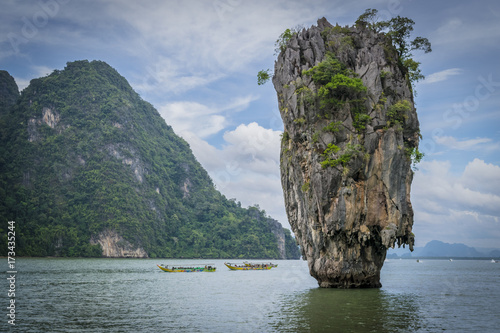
<point x="114" y="246"/>
<point x="347" y="214"/>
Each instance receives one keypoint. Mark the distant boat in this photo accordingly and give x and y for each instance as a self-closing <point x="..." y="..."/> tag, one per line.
<point x="187" y="269"/>
<point x="243" y="267"/>
<point x="250" y="264"/>
<point x="451" y="259"/>
<point x="493" y="261"/>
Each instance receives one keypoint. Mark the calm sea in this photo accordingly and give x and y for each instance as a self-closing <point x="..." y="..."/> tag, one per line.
<point x="133" y="295"/>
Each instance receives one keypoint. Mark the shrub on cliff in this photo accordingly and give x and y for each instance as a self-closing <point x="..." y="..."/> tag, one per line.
<point x="399" y="29"/>
<point x="339" y="85"/>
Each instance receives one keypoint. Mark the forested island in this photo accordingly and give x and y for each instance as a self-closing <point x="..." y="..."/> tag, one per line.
<point x="90" y="169"/>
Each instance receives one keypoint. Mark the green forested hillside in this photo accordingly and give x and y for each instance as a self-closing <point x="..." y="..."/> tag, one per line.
<point x="84" y="154"/>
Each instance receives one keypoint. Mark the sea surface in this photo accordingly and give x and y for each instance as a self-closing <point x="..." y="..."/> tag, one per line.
<point x="133" y="295"/>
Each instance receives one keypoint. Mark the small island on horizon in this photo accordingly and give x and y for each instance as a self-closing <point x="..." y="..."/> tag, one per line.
<point x="439" y="249"/>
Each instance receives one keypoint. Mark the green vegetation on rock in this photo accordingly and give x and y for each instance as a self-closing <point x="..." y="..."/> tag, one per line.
<point x="9" y="92"/>
<point x="284" y="38"/>
<point x="397" y="113"/>
<point x="399" y="29"/>
<point x="337" y="86"/>
<point x="414" y="155"/>
<point x="263" y="76"/>
<point x="343" y="158"/>
<point x="280" y="45"/>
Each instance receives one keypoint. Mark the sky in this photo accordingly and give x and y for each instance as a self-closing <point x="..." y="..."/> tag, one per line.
<point x="196" y="62"/>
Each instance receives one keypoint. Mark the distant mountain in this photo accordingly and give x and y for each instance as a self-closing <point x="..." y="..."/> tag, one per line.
<point x="438" y="249"/>
<point x="88" y="168"/>
<point x="494" y="254"/>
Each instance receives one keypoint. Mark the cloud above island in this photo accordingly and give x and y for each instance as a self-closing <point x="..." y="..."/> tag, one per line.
<point x="246" y="167"/>
<point x="469" y="144"/>
<point x="467" y="203"/>
<point x="442" y="75"/>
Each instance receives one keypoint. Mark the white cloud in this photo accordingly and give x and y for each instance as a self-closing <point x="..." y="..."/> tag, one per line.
<point x="204" y="121"/>
<point x="447" y="32"/>
<point x="239" y="103"/>
<point x="254" y="141"/>
<point x="22" y="83"/>
<point x="470" y="144"/>
<point x="467" y="32"/>
<point x="246" y="167"/>
<point x="249" y="150"/>
<point x="163" y="74"/>
<point x="457" y="208"/>
<point x="193" y="117"/>
<point x="481" y="176"/>
<point x="249" y="154"/>
<point x="42" y="70"/>
<point x="206" y="40"/>
<point x="457" y="226"/>
<point x="442" y="75"/>
<point x="39" y="71"/>
<point x="438" y="183"/>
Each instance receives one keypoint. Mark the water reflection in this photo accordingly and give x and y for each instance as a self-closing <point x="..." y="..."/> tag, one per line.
<point x="361" y="310"/>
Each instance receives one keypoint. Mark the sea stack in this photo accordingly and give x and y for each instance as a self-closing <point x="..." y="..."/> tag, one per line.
<point x="350" y="128"/>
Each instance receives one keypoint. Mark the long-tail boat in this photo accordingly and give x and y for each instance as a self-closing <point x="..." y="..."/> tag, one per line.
<point x="187" y="269"/>
<point x="261" y="264"/>
<point x="243" y="267"/>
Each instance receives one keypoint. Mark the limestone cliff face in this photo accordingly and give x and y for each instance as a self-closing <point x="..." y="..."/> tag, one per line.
<point x="345" y="152"/>
<point x="278" y="232"/>
<point x="114" y="246"/>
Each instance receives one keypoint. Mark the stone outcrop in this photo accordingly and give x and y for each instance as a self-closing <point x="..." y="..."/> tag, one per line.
<point x="278" y="232"/>
<point x="345" y="163"/>
<point x="114" y="246"/>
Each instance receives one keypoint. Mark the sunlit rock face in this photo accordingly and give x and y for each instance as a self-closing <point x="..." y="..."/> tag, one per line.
<point x="345" y="152"/>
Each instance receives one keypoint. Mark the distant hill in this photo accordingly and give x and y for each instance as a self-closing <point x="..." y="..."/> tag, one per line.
<point x="494" y="254"/>
<point x="438" y="249"/>
<point x="88" y="168"/>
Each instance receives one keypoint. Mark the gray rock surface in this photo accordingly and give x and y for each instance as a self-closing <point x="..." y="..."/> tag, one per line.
<point x="346" y="217"/>
<point x="114" y="246"/>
